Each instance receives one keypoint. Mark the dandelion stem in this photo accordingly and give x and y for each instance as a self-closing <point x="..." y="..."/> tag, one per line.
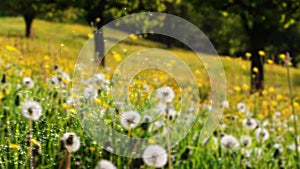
<point x="68" y="164"/>
<point x="30" y="144"/>
<point x="169" y="144"/>
<point x="62" y="161"/>
<point x="293" y="108"/>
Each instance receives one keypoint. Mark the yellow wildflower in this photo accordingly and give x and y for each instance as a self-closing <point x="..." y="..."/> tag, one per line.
<point x="14" y="146"/>
<point x="133" y="37"/>
<point x="261" y="53"/>
<point x="92" y="148"/>
<point x="11" y="48"/>
<point x="117" y="57"/>
<point x="271" y="90"/>
<point x="237" y="88"/>
<point x="279" y="97"/>
<point x="282" y="56"/>
<point x="255" y="69"/>
<point x="248" y="55"/>
<point x="269" y="61"/>
<point x="245" y="87"/>
<point x="90" y="35"/>
<point x="151" y="141"/>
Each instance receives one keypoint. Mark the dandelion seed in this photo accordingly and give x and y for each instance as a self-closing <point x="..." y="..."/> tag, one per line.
<point x="241" y="107"/>
<point x="229" y="142"/>
<point x="71" y="142"/>
<point x="262" y="134"/>
<point x="155" y="156"/>
<point x="105" y="164"/>
<point x="130" y="119"/>
<point x="28" y="82"/>
<point x="165" y="94"/>
<point x="31" y="110"/>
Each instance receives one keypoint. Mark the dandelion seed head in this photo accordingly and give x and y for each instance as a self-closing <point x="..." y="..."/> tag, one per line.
<point x="71" y="142"/>
<point x="155" y="156"/>
<point x="165" y="94"/>
<point x="105" y="164"/>
<point x="229" y="142"/>
<point x="249" y="124"/>
<point x="28" y="82"/>
<point x="262" y="134"/>
<point x="31" y="110"/>
<point x="130" y="119"/>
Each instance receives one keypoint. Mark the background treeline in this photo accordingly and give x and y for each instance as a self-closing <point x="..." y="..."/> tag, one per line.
<point x="222" y="21"/>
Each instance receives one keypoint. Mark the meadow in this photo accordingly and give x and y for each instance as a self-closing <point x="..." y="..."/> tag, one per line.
<point x="256" y="131"/>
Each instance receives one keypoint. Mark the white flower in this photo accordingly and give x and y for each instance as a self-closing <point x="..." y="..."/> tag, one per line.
<point x="71" y="142"/>
<point x="28" y="82"/>
<point x="242" y="107"/>
<point x="130" y="119"/>
<point x="246" y="141"/>
<point x="90" y="93"/>
<point x="105" y="164"/>
<point x="155" y="156"/>
<point x="146" y="87"/>
<point x="293" y="147"/>
<point x="225" y="104"/>
<point x="170" y="112"/>
<point x="249" y="124"/>
<point x="262" y="134"/>
<point x="229" y="142"/>
<point x="207" y="107"/>
<point x="31" y="110"/>
<point x="246" y="153"/>
<point x="53" y="81"/>
<point x="165" y="94"/>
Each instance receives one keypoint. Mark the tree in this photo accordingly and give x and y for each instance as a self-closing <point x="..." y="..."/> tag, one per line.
<point x="101" y="12"/>
<point x="260" y="19"/>
<point x="30" y="9"/>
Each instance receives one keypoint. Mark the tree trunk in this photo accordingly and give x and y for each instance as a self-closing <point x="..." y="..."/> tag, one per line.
<point x="28" y="22"/>
<point x="99" y="46"/>
<point x="258" y="39"/>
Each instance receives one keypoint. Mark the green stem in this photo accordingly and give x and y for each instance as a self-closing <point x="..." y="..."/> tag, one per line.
<point x="293" y="111"/>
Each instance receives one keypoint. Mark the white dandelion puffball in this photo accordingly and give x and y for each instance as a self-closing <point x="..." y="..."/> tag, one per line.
<point x="225" y="104"/>
<point x="130" y="119"/>
<point x="31" y="110"/>
<point x="230" y="143"/>
<point x="242" y="107"/>
<point x="170" y="112"/>
<point x="155" y="156"/>
<point x="105" y="164"/>
<point x="28" y="82"/>
<point x="262" y="134"/>
<point x="90" y="93"/>
<point x="246" y="141"/>
<point x="71" y="142"/>
<point x="165" y="94"/>
<point x="100" y="79"/>
<point x="249" y="124"/>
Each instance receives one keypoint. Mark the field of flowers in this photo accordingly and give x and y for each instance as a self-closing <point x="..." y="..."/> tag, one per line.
<point x="40" y="128"/>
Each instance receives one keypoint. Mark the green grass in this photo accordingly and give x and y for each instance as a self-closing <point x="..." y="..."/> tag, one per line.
<point x="48" y="37"/>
